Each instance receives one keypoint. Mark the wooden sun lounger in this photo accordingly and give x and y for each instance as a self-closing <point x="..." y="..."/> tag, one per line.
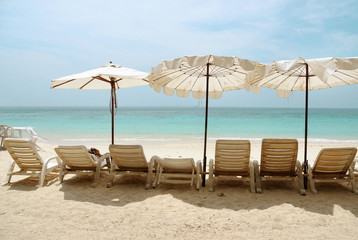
<point x="279" y="162"/>
<point x="77" y="160"/>
<point x="333" y="165"/>
<point x="232" y="158"/>
<point x="26" y="157"/>
<point x="130" y="159"/>
<point x="177" y="170"/>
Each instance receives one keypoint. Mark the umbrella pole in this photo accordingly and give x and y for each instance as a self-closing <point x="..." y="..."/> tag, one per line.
<point x="305" y="164"/>
<point x="112" y="109"/>
<point x="206" y="122"/>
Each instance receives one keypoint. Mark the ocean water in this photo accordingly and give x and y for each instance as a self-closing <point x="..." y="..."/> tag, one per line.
<point x="161" y="123"/>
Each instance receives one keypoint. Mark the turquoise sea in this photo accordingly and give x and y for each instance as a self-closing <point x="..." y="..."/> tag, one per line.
<point x="94" y="123"/>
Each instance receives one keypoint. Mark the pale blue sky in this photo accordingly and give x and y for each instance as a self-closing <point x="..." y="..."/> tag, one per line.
<point x="44" y="40"/>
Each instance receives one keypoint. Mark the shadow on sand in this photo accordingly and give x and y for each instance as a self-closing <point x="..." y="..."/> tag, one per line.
<point x="232" y="195"/>
<point x="29" y="183"/>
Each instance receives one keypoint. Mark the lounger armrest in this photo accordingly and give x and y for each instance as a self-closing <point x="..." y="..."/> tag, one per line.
<point x="309" y="167"/>
<point x="211" y="166"/>
<point x="158" y="160"/>
<point x="211" y="161"/>
<point x="35" y="138"/>
<point x="152" y="163"/>
<point x="52" y="158"/>
<point x="211" y="175"/>
<point x="198" y="169"/>
<point x="354" y="163"/>
<point x="257" y="176"/>
<point x="256" y="168"/>
<point x="199" y="166"/>
<point x="299" y="173"/>
<point x="104" y="157"/>
<point x="299" y="167"/>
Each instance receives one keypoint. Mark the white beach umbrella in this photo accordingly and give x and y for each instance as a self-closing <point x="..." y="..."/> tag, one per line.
<point x="305" y="75"/>
<point x="203" y="76"/>
<point x="110" y="76"/>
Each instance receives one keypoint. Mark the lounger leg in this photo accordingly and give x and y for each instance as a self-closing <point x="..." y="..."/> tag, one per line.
<point x="150" y="173"/>
<point x="310" y="176"/>
<point x="198" y="174"/>
<point x="158" y="176"/>
<point x="149" y="180"/>
<point x="99" y="167"/>
<point x="353" y="182"/>
<point x="96" y="176"/>
<point x="62" y="172"/>
<point x="211" y="175"/>
<point x="257" y="177"/>
<point x="45" y="170"/>
<point x="300" y="178"/>
<point x="111" y="175"/>
<point x="9" y="173"/>
<point x="252" y="177"/>
<point x="192" y="177"/>
<point x="42" y="177"/>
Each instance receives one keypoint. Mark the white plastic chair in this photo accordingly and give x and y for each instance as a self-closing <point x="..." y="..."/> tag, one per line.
<point x="333" y="165"/>
<point x="30" y="133"/>
<point x="77" y="160"/>
<point x="26" y="157"/>
<point x="232" y="159"/>
<point x="129" y="159"/>
<point x="177" y="170"/>
<point x="5" y="132"/>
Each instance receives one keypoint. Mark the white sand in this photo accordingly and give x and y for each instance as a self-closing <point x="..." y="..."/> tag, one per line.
<point x="128" y="211"/>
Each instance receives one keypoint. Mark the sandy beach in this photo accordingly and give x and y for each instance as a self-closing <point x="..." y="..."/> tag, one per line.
<point x="128" y="211"/>
<point x="166" y="75"/>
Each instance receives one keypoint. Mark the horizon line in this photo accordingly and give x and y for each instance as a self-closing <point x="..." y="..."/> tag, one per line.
<point x="163" y="106"/>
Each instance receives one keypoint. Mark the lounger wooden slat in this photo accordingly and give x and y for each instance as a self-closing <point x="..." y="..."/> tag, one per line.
<point x="230" y="166"/>
<point x="330" y="167"/>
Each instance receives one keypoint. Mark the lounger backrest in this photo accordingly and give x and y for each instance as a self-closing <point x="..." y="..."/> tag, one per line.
<point x="128" y="157"/>
<point x="24" y="153"/>
<point x="232" y="157"/>
<point x="278" y="157"/>
<point x="334" y="161"/>
<point x="177" y="165"/>
<point x="76" y="157"/>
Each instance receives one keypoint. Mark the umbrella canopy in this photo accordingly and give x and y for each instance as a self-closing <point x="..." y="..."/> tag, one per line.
<point x="305" y="75"/>
<point x="110" y="76"/>
<point x="290" y="75"/>
<point x="203" y="76"/>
